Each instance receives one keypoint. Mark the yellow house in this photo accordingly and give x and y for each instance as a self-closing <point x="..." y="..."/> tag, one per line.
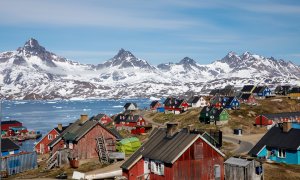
<point x="294" y="93"/>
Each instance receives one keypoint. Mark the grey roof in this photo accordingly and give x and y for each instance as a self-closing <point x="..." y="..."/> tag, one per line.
<point x="8" y="145"/>
<point x="98" y="117"/>
<point x="77" y="130"/>
<point x="169" y="148"/>
<point x="247" y="88"/>
<point x="63" y="128"/>
<point x="173" y="102"/>
<point x="193" y="99"/>
<point x="282" y="115"/>
<point x="237" y="161"/>
<point x="128" y="104"/>
<point x="276" y="138"/>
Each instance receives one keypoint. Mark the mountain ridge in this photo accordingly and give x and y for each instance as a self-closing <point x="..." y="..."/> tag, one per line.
<point x="33" y="72"/>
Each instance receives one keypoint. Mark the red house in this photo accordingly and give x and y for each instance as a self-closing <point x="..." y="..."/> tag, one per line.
<point x="176" y="106"/>
<point x="169" y="154"/>
<point x="271" y="119"/>
<point x="129" y="121"/>
<point x="154" y="105"/>
<point x="103" y="119"/>
<point x="80" y="138"/>
<point x="42" y="146"/>
<point x="6" y="125"/>
<point x="247" y="98"/>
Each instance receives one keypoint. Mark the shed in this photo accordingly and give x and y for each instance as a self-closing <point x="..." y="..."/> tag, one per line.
<point x="128" y="145"/>
<point x="242" y="168"/>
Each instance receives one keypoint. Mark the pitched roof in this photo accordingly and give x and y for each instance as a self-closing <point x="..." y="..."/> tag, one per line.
<point x="153" y="103"/>
<point x="276" y="138"/>
<point x="259" y="89"/>
<point x="282" y="115"/>
<point x="98" y="117"/>
<point x="77" y="130"/>
<point x="245" y="96"/>
<point x="173" y="102"/>
<point x="247" y="88"/>
<point x="8" y="145"/>
<point x="170" y="149"/>
<point x="128" y="104"/>
<point x="194" y="99"/>
<point x="229" y="101"/>
<point x="205" y="109"/>
<point x="9" y="122"/>
<point x="238" y="161"/>
<point x="60" y="131"/>
<point x="295" y="90"/>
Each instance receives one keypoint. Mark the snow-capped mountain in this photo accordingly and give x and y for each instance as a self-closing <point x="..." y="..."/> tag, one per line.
<point x="32" y="72"/>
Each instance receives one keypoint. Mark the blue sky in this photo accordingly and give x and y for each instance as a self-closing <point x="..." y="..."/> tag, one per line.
<point x="93" y="31"/>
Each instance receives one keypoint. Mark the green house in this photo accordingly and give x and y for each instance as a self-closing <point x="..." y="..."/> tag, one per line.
<point x="212" y="115"/>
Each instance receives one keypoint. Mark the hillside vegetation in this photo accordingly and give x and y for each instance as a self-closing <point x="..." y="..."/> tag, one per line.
<point x="242" y="118"/>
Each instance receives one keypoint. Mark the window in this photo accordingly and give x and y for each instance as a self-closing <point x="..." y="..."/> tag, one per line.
<point x="198" y="150"/>
<point x="217" y="171"/>
<point x="138" y="123"/>
<point x="157" y="167"/>
<point x="281" y="153"/>
<point x="50" y="136"/>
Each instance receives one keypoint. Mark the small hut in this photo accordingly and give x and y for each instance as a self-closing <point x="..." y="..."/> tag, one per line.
<point x="242" y="168"/>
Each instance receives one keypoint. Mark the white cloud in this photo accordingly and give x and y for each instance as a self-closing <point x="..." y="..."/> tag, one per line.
<point x="88" y="13"/>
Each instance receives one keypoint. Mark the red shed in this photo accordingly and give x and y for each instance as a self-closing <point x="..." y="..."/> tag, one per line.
<point x="42" y="146"/>
<point x="169" y="154"/>
<point x="5" y="125"/>
<point x="262" y="120"/>
<point x="80" y="138"/>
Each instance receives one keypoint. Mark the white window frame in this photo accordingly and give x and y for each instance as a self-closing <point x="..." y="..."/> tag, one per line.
<point x="281" y="153"/>
<point x="50" y="137"/>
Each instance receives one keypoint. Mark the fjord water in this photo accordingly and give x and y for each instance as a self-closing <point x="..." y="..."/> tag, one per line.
<point x="45" y="115"/>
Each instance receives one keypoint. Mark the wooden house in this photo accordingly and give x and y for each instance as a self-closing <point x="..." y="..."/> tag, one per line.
<point x="282" y="90"/>
<point x="262" y="91"/>
<point x="6" y="125"/>
<point x="270" y="120"/>
<point x="102" y="118"/>
<point x="226" y="91"/>
<point x="212" y="115"/>
<point x="42" y="146"/>
<point x="175" y="106"/>
<point x="196" y="101"/>
<point x="294" y="93"/>
<point x="80" y="138"/>
<point x="247" y="98"/>
<point x="154" y="105"/>
<point x="173" y="154"/>
<point x="130" y="107"/>
<point x="230" y="103"/>
<point x="8" y="147"/>
<point x="129" y="121"/>
<point x="242" y="168"/>
<point x="216" y="101"/>
<point x="248" y="89"/>
<point x="280" y="144"/>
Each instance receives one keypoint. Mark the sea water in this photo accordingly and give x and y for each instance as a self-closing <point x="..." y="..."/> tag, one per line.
<point x="42" y="115"/>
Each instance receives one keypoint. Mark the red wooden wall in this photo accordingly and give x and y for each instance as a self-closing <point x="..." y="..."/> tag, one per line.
<point x="262" y="120"/>
<point x="45" y="141"/>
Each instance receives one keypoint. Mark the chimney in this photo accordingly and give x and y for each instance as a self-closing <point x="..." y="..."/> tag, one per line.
<point x="191" y="128"/>
<point x="171" y="129"/>
<point x="83" y="118"/>
<point x="286" y="126"/>
<point x="59" y="127"/>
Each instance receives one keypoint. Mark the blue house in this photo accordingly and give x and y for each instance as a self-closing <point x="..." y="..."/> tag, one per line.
<point x="230" y="103"/>
<point x="280" y="144"/>
<point x="8" y="147"/>
<point x="262" y="91"/>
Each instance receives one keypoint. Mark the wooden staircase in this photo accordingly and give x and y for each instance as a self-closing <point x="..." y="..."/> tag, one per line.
<point x="53" y="161"/>
<point x="102" y="150"/>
